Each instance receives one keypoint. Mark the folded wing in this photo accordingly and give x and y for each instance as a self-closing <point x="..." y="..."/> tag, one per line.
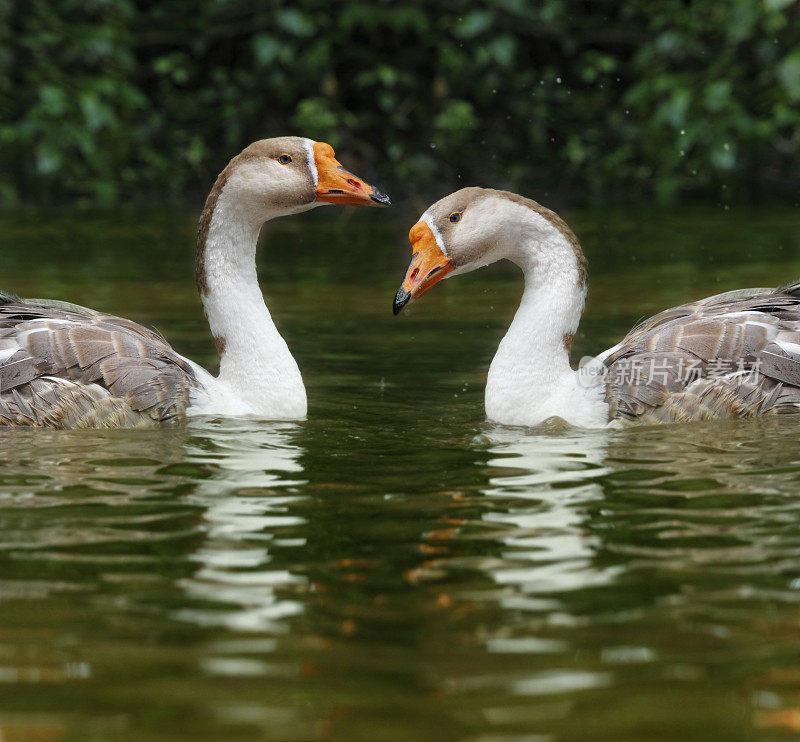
<point x="732" y="355"/>
<point x="66" y="366"/>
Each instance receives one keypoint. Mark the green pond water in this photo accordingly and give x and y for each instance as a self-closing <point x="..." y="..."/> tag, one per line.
<point x="395" y="568"/>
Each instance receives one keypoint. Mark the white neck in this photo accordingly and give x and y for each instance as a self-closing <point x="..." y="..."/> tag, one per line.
<point x="530" y="378"/>
<point x="258" y="374"/>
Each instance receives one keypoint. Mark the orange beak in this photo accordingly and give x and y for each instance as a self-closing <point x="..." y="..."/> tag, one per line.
<point x="337" y="186"/>
<point x="428" y="266"/>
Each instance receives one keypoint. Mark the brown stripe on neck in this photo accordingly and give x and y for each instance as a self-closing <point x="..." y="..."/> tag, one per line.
<point x="202" y="232"/>
<point x="264" y="148"/>
<point x="561" y="226"/>
<point x="569" y="338"/>
<point x="256" y="149"/>
<point x="221" y="343"/>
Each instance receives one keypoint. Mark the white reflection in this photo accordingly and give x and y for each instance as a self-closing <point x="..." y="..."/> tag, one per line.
<point x="254" y="468"/>
<point x="549" y="548"/>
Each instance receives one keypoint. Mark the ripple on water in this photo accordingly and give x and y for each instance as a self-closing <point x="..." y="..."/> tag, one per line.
<point x="376" y="575"/>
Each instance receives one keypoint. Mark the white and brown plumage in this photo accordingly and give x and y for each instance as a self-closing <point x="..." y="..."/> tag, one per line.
<point x="732" y="355"/>
<point x="66" y="366"/>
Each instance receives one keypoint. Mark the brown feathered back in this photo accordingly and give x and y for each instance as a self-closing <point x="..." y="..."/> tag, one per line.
<point x="65" y="366"/>
<point x="732" y="355"/>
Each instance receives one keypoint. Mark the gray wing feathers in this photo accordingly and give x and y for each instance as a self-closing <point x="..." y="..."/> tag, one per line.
<point x="65" y="366"/>
<point x="732" y="355"/>
<point x="52" y="404"/>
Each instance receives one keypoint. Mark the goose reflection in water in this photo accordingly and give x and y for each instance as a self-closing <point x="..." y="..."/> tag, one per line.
<point x="253" y="475"/>
<point x="538" y="484"/>
<point x="545" y="483"/>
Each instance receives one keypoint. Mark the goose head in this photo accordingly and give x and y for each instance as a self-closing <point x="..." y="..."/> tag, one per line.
<point x="286" y="175"/>
<point x="270" y="178"/>
<point x="473" y="228"/>
<point x="457" y="234"/>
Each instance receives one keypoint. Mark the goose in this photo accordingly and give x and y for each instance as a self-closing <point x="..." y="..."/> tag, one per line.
<point x="65" y="366"/>
<point x="736" y="354"/>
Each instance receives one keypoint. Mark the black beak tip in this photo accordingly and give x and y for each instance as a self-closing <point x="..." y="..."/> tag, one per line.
<point x="380" y="198"/>
<point x="400" y="300"/>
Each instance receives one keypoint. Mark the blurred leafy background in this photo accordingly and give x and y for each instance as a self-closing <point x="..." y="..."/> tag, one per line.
<point x="109" y="102"/>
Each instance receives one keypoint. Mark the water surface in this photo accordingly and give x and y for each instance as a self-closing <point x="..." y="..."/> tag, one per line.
<point x="395" y="567"/>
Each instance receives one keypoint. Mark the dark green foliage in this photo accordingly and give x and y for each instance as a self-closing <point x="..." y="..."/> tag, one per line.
<point x="108" y="101"/>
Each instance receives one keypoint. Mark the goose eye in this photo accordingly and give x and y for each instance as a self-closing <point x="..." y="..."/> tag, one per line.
<point x="455" y="217"/>
<point x="285" y="159"/>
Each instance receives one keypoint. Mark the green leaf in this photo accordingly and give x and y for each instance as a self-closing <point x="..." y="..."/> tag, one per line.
<point x="314" y="118"/>
<point x="265" y="49"/>
<point x="54" y="100"/>
<point x="473" y="24"/>
<point x="789" y="74"/>
<point x="96" y="113"/>
<point x="576" y="152"/>
<point x="456" y="120"/>
<point x="503" y="49"/>
<point x="723" y="156"/>
<point x="48" y="158"/>
<point x="717" y="95"/>
<point x="295" y="22"/>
